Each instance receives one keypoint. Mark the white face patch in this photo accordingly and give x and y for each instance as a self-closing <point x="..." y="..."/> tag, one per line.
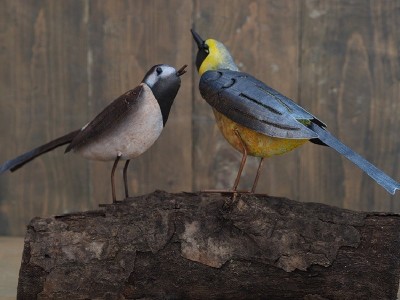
<point x="166" y="71"/>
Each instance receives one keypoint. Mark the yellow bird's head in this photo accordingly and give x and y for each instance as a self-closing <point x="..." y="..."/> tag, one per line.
<point x="212" y="55"/>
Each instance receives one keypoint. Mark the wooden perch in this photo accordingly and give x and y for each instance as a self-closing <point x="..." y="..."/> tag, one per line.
<point x="203" y="246"/>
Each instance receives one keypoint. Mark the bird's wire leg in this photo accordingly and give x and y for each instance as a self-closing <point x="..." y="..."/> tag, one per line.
<point x="112" y="177"/>
<point x="126" y="178"/>
<point x="253" y="189"/>
<point x="242" y="163"/>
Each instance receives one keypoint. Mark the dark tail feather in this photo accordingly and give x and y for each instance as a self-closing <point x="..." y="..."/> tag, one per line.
<point x="18" y="162"/>
<point x="379" y="176"/>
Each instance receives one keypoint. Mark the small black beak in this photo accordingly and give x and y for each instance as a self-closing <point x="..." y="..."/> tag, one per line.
<point x="199" y="41"/>
<point x="181" y="71"/>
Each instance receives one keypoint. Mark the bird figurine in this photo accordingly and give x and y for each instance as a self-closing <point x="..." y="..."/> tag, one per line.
<point x="125" y="129"/>
<point x="258" y="120"/>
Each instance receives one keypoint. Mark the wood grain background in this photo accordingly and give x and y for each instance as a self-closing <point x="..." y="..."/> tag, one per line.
<point x="61" y="62"/>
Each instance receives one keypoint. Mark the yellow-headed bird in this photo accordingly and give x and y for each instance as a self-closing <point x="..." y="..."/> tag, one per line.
<point x="258" y="120"/>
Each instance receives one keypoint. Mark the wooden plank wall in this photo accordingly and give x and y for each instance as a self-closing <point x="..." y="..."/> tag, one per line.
<point x="61" y="62"/>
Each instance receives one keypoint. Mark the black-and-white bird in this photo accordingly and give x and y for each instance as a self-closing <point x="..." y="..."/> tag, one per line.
<point x="125" y="129"/>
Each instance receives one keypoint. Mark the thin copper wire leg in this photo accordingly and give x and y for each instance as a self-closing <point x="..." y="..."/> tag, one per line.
<point x="253" y="189"/>
<point x="242" y="163"/>
<point x="234" y="191"/>
<point x="126" y="178"/>
<point x="112" y="178"/>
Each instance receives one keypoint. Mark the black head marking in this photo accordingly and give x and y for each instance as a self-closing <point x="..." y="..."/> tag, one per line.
<point x="203" y="51"/>
<point x="164" y="81"/>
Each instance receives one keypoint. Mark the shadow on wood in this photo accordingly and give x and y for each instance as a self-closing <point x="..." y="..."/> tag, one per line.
<point x="203" y="246"/>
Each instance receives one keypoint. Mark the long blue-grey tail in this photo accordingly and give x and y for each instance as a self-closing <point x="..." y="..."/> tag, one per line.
<point x="378" y="175"/>
<point x="18" y="162"/>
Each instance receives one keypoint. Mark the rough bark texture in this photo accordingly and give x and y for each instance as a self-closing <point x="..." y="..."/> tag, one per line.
<point x="204" y="246"/>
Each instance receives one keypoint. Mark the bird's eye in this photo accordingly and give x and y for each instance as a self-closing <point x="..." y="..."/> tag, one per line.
<point x="159" y="70"/>
<point x="206" y="48"/>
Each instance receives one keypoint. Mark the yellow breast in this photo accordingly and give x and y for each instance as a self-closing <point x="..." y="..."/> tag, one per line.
<point x="257" y="144"/>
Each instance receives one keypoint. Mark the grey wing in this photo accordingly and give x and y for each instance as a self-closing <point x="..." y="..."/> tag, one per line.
<point x="108" y="119"/>
<point x="251" y="103"/>
<point x="297" y="112"/>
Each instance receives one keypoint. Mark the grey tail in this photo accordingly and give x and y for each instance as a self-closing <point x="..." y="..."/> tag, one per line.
<point x="18" y="162"/>
<point x="376" y="174"/>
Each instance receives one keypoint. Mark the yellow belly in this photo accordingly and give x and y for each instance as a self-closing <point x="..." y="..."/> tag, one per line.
<point x="257" y="144"/>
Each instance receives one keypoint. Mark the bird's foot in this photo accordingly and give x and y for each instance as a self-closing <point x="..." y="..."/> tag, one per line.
<point x="225" y="192"/>
<point x="112" y="203"/>
<point x="232" y="200"/>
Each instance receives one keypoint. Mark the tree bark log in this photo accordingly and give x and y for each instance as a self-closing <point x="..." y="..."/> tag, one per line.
<point x="205" y="246"/>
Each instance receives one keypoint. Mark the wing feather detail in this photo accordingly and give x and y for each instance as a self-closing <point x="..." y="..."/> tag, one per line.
<point x="108" y="119"/>
<point x="251" y="103"/>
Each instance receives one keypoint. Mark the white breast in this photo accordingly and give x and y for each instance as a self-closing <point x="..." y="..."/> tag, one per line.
<point x="132" y="136"/>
